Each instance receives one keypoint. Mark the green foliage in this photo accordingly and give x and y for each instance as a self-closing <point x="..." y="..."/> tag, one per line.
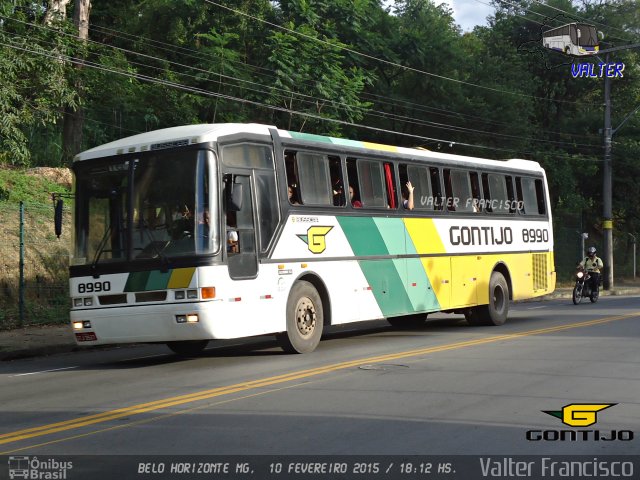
<point x="299" y="63"/>
<point x="19" y="185"/>
<point x="33" y="85"/>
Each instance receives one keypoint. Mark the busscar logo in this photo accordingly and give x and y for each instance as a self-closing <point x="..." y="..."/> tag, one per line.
<point x="315" y="238"/>
<point x="579" y="415"/>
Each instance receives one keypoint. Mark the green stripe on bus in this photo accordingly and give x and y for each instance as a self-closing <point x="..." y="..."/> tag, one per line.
<point x="136" y="281"/>
<point x="422" y="296"/>
<point x="387" y="286"/>
<point x="158" y="280"/>
<point x="363" y="236"/>
<point x="393" y="234"/>
<point x="387" y="278"/>
<point x="310" y="137"/>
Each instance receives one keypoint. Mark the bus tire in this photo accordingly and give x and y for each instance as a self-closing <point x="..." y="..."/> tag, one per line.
<point x="189" y="348"/>
<point x="495" y="313"/>
<point x="305" y="319"/>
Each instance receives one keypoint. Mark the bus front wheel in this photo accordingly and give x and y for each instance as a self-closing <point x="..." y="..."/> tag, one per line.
<point x="495" y="313"/>
<point x="305" y="318"/>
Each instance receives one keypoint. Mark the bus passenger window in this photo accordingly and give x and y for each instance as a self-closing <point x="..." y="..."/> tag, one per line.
<point x="458" y="189"/>
<point x="233" y="245"/>
<point x="371" y="184"/>
<point x="315" y="182"/>
<point x="291" y="168"/>
<point x="423" y="192"/>
<point x="390" y="181"/>
<point x="337" y="183"/>
<point x="475" y="192"/>
<point x="530" y="196"/>
<point x="436" y="189"/>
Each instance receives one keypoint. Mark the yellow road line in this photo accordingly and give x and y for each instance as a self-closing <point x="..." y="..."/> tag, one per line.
<point x="266" y="382"/>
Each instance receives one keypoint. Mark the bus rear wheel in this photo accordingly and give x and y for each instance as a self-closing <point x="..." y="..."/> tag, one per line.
<point x="495" y="313"/>
<point x="305" y="318"/>
<point x="189" y="348"/>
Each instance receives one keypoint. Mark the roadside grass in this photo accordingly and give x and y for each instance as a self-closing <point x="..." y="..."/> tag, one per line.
<point x="46" y="258"/>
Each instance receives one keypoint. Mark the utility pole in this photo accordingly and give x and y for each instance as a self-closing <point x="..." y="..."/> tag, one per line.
<point x="607" y="193"/>
<point x="607" y="209"/>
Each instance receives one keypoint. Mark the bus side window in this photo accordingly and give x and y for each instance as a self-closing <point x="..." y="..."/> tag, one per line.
<point x="448" y="190"/>
<point x="293" y="182"/>
<point x="510" y="195"/>
<point x="372" y="184"/>
<point x="496" y="193"/>
<point x="436" y="188"/>
<point x="425" y="196"/>
<point x="315" y="179"/>
<point x="459" y="197"/>
<point x="530" y="196"/>
<point x="337" y="182"/>
<point x="475" y="192"/>
<point x="390" y="181"/>
<point x="352" y="183"/>
<point x="540" y="196"/>
<point x="367" y="180"/>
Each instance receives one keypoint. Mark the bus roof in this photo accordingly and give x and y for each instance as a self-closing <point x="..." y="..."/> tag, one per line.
<point x="204" y="133"/>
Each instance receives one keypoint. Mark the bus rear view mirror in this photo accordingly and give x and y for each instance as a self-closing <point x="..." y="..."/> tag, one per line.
<point x="57" y="217"/>
<point x="600" y="35"/>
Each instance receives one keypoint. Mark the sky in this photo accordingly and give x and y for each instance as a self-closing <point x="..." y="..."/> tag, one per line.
<point x="469" y="13"/>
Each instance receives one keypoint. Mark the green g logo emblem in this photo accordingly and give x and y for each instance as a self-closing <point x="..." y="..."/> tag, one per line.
<point x="315" y="238"/>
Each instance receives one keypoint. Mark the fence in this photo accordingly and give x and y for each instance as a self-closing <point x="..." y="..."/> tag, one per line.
<point x="567" y="232"/>
<point x="34" y="265"/>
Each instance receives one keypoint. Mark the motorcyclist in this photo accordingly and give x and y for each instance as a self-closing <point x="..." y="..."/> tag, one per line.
<point x="592" y="264"/>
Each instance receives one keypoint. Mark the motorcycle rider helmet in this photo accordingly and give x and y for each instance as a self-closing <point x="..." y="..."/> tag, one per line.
<point x="591" y="251"/>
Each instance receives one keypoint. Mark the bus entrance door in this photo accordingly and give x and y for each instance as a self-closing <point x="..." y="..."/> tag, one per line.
<point x="241" y="237"/>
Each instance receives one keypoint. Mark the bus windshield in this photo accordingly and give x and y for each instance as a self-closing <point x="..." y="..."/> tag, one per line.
<point x="588" y="36"/>
<point x="152" y="206"/>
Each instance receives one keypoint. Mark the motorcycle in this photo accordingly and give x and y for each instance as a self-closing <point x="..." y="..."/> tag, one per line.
<point x="583" y="288"/>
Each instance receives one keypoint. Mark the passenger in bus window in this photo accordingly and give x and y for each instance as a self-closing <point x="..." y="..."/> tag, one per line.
<point x="232" y="240"/>
<point x="407" y="196"/>
<point x="233" y="245"/>
<point x="338" y="192"/>
<point x="354" y="203"/>
<point x="293" y="198"/>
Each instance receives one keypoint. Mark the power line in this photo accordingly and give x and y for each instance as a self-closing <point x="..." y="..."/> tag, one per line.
<point x="312" y="100"/>
<point x="146" y="78"/>
<point x="387" y="62"/>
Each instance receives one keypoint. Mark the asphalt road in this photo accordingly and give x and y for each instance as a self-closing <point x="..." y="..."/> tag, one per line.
<point x="446" y="388"/>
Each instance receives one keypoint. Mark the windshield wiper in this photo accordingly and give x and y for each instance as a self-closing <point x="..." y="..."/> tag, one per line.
<point x="166" y="263"/>
<point x="101" y="246"/>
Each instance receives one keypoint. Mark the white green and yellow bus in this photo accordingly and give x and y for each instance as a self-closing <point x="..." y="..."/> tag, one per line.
<point x="575" y="39"/>
<point x="195" y="233"/>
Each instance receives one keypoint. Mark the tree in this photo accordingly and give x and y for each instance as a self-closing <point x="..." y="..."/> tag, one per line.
<point x="33" y="84"/>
